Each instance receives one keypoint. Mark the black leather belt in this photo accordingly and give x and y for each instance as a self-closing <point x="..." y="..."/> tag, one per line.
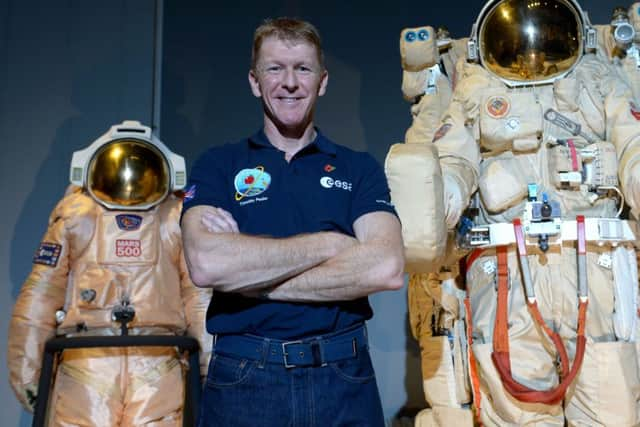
<point x="314" y="351"/>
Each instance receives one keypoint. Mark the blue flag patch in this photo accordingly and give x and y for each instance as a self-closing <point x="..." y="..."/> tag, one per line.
<point x="47" y="254"/>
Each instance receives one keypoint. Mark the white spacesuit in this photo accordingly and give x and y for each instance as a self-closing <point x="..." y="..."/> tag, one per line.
<point x="111" y="263"/>
<point x="543" y="138"/>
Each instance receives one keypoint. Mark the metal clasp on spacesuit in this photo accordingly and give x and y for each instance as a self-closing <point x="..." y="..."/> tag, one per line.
<point x="542" y="220"/>
<point x="123" y="314"/>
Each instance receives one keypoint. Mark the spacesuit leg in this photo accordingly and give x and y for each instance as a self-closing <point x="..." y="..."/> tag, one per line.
<point x="155" y="389"/>
<point x="88" y="388"/>
<point x="532" y="363"/>
<point x="607" y="390"/>
<point x="438" y="324"/>
<point x="127" y="387"/>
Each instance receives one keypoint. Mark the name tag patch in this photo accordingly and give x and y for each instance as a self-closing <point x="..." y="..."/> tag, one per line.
<point x="47" y="254"/>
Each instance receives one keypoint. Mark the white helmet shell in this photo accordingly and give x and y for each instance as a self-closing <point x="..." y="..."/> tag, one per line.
<point x="128" y="168"/>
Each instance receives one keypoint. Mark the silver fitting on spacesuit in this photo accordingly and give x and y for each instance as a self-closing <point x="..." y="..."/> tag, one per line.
<point x="623" y="31"/>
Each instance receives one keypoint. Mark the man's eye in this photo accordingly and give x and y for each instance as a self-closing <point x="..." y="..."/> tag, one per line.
<point x="303" y="69"/>
<point x="273" y="69"/>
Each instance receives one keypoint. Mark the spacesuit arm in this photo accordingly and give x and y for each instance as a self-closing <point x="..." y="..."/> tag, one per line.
<point x="235" y="262"/>
<point x="375" y="264"/>
<point x="196" y="301"/>
<point x="33" y="321"/>
<point x="459" y="160"/>
<point x="623" y="129"/>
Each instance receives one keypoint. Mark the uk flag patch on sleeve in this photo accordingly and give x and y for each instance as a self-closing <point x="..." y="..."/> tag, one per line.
<point x="189" y="194"/>
<point x="47" y="254"/>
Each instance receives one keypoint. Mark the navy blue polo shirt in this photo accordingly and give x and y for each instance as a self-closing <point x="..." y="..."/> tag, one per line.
<point x="325" y="187"/>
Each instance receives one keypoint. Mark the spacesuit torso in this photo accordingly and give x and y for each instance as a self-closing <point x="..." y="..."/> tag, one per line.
<point x="516" y="144"/>
<point x="122" y="257"/>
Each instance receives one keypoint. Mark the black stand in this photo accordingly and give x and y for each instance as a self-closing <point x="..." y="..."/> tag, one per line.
<point x="184" y="343"/>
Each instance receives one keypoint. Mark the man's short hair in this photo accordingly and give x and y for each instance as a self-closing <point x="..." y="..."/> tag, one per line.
<point x="287" y="29"/>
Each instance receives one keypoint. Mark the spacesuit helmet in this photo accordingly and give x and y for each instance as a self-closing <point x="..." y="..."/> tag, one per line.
<point x="528" y="42"/>
<point x="128" y="168"/>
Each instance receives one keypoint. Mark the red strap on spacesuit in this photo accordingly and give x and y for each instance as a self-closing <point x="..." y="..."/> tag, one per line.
<point x="552" y="396"/>
<point x="574" y="155"/>
<point x="500" y="330"/>
<point x="500" y="355"/>
<point x="473" y="256"/>
<point x="473" y="369"/>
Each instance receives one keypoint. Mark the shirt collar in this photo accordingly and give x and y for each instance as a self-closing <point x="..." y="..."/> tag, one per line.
<point x="320" y="142"/>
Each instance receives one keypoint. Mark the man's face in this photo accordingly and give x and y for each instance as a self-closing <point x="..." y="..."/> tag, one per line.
<point x="289" y="78"/>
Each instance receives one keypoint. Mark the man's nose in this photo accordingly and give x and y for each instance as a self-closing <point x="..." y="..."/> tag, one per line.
<point x="290" y="79"/>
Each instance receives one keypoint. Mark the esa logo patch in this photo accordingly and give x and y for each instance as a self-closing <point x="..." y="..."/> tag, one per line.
<point x="128" y="222"/>
<point x="328" y="182"/>
<point x="47" y="254"/>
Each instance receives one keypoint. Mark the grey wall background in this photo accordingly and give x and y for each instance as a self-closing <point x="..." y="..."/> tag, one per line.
<point x="70" y="69"/>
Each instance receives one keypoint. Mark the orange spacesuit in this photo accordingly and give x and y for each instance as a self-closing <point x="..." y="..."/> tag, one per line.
<point x="111" y="263"/>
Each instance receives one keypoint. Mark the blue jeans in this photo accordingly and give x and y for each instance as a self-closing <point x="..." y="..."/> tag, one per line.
<point x="243" y="392"/>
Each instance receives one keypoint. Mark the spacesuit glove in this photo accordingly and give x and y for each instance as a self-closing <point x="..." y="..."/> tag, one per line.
<point x="29" y="397"/>
<point x="453" y="203"/>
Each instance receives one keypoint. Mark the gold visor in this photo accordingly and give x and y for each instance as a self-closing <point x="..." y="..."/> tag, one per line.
<point x="128" y="173"/>
<point x="530" y="41"/>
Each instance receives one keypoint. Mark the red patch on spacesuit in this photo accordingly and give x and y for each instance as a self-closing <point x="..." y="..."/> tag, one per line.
<point x="128" y="248"/>
<point x="635" y="112"/>
<point x="249" y="179"/>
<point x="498" y="107"/>
<point x="442" y="131"/>
<point x="329" y="168"/>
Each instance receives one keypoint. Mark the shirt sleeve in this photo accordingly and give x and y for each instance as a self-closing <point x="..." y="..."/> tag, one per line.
<point x="371" y="190"/>
<point x="207" y="184"/>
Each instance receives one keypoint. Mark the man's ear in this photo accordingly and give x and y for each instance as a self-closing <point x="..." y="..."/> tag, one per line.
<point x="255" y="85"/>
<point x="324" y="80"/>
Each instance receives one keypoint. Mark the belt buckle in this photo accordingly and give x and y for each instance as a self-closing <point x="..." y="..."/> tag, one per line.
<point x="285" y="354"/>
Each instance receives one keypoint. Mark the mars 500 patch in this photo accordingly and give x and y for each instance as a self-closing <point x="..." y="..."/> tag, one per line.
<point x="128" y="248"/>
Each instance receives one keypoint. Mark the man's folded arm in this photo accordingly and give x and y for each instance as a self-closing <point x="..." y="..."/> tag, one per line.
<point x="375" y="263"/>
<point x="220" y="257"/>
